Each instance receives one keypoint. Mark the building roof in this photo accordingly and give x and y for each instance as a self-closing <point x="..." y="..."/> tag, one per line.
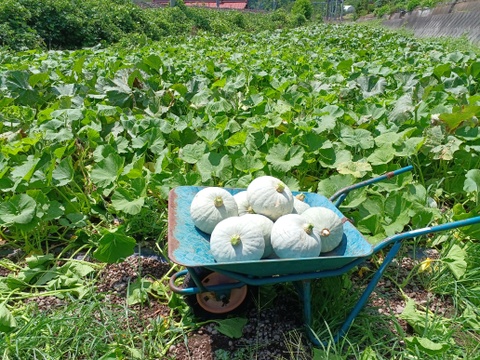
<point x="223" y="4"/>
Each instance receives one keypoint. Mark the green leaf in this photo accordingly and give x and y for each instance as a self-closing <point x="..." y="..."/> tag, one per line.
<point x="73" y="220"/>
<point x="219" y="107"/>
<point x="76" y="269"/>
<point x="474" y="70"/>
<point x="248" y="163"/>
<point x="64" y="90"/>
<point x="152" y="138"/>
<point x="332" y="184"/>
<point x="382" y="155"/>
<point x="19" y="209"/>
<point x="422" y="321"/>
<point x="37" y="261"/>
<point x="416" y="319"/>
<point x="332" y="157"/>
<point x="232" y="327"/>
<point x="214" y="165"/>
<point x="210" y="135"/>
<point x="460" y="116"/>
<point x="283" y="157"/>
<point x="137" y="292"/>
<point x="370" y="224"/>
<point x="320" y="354"/>
<point x="238" y="138"/>
<point x="124" y="200"/>
<point x="7" y="321"/>
<point x="345" y="65"/>
<point x="455" y="260"/>
<point x="371" y="85"/>
<point x="409" y="147"/>
<point x="54" y="211"/>
<point x="47" y="276"/>
<point x="403" y="110"/>
<point x="442" y="70"/>
<point x="26" y="170"/>
<point x="368" y="354"/>
<point x="114" y="247"/>
<point x="200" y="99"/>
<point x="325" y="123"/>
<point x="357" y="137"/>
<point x="63" y="172"/>
<point x="191" y="153"/>
<point x="107" y="170"/>
<point x="17" y="82"/>
<point x="472" y="181"/>
<point x="447" y="151"/>
<point x="459" y="213"/>
<point x="120" y="94"/>
<point x="356" y="168"/>
<point x="426" y="346"/>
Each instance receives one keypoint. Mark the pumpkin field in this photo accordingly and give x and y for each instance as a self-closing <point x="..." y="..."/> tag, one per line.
<point x="93" y="140"/>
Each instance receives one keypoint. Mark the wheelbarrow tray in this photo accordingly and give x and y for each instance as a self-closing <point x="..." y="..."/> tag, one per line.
<point x="190" y="247"/>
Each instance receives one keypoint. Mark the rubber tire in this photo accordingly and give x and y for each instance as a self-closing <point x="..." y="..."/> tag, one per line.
<point x="198" y="307"/>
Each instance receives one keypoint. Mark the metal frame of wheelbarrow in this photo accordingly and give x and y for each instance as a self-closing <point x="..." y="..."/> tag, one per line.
<point x="302" y="281"/>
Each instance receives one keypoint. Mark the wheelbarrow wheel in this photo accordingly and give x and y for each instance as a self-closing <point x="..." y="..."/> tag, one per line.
<point x="209" y="305"/>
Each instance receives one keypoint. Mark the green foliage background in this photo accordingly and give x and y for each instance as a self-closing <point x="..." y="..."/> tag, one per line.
<point x="73" y="24"/>
<point x="383" y="7"/>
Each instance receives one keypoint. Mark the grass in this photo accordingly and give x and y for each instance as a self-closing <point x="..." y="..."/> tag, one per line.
<point x="95" y="328"/>
<point x="92" y="328"/>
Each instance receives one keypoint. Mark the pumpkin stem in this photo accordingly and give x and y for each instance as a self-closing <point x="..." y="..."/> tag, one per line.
<point x="308" y="228"/>
<point x="301" y="196"/>
<point x="218" y="201"/>
<point x="280" y="187"/>
<point x="250" y="210"/>
<point x="235" y="240"/>
<point x="325" y="232"/>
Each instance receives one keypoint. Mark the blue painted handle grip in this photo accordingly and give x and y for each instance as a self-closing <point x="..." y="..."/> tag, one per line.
<point x="341" y="194"/>
<point x="426" y="230"/>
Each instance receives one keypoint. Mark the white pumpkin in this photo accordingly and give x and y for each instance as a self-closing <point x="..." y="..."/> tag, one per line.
<point x="269" y="196"/>
<point x="299" y="205"/>
<point x="210" y="206"/>
<point x="242" y="203"/>
<point x="237" y="239"/>
<point x="265" y="225"/>
<point x="328" y="224"/>
<point x="295" y="237"/>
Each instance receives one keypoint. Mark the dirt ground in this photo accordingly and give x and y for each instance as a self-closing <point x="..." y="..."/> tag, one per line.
<point x="265" y="333"/>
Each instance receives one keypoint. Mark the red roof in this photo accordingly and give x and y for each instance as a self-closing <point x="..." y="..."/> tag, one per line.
<point x="237" y="5"/>
<point x="223" y="4"/>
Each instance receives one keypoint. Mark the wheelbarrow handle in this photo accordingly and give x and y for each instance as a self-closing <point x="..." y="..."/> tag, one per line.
<point x="341" y="194"/>
<point x="426" y="230"/>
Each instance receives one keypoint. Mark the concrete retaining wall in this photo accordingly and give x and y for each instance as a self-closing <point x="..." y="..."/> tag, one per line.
<point x="451" y="19"/>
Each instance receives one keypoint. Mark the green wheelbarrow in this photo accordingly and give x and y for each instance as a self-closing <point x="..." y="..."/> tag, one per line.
<point x="219" y="289"/>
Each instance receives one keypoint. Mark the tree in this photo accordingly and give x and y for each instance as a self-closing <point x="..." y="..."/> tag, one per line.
<point x="303" y="7"/>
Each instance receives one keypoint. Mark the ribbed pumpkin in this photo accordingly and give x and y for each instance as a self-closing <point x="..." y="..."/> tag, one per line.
<point x="328" y="224"/>
<point x="269" y="196"/>
<point x="295" y="237"/>
<point x="242" y="203"/>
<point x="210" y="206"/>
<point x="299" y="205"/>
<point x="265" y="225"/>
<point x="237" y="239"/>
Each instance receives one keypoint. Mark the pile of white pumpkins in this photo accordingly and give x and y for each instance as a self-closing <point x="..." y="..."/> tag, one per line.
<point x="264" y="221"/>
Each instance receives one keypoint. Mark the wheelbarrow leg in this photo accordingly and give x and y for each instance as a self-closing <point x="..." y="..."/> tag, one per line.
<point x="305" y="294"/>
